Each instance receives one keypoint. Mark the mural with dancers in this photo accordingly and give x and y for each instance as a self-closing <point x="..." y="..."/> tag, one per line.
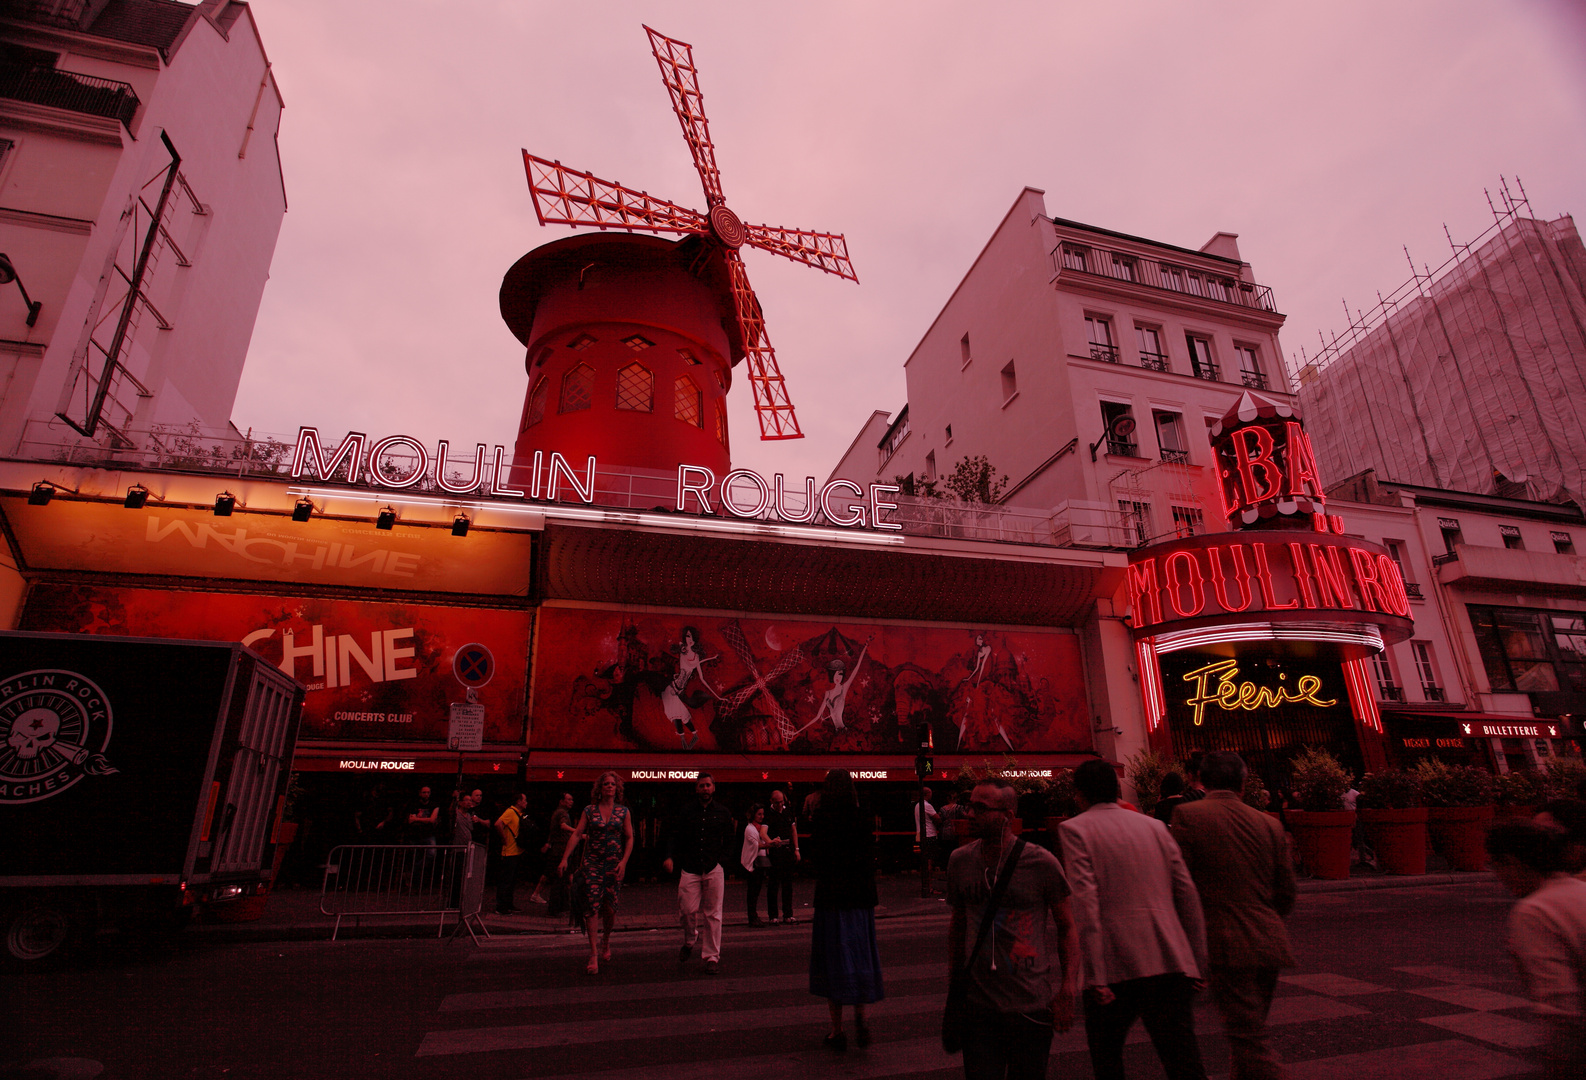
<point x="613" y="680"/>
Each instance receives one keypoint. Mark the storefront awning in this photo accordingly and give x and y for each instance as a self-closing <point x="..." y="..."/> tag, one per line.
<point x="1476" y="725"/>
<point x="774" y="768"/>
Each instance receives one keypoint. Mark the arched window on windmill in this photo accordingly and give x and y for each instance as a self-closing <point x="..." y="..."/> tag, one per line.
<point x="534" y="411"/>
<point x="721" y="423"/>
<point x="636" y="389"/>
<point x="689" y="402"/>
<point x="578" y="389"/>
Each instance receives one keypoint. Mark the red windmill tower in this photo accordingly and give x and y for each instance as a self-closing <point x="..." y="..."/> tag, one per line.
<point x="632" y="339"/>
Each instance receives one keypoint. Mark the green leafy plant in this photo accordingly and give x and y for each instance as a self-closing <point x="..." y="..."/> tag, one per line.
<point x="1390" y="789"/>
<point x="1255" y="792"/>
<point x="1520" y="789"/>
<point x="1060" y="794"/>
<point x="1454" y="785"/>
<point x="1564" y="778"/>
<point x="1023" y="784"/>
<point x="922" y="486"/>
<point x="974" y="480"/>
<point x="1145" y="771"/>
<point x="1320" y="780"/>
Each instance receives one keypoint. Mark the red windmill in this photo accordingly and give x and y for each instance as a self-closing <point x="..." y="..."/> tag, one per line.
<point x="565" y="197"/>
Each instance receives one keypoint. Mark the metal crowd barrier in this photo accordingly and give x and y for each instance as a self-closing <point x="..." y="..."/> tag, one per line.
<point x="391" y="879"/>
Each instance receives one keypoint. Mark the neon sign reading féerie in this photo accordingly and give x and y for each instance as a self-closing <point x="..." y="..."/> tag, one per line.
<point x="1229" y="695"/>
<point x="741" y="493"/>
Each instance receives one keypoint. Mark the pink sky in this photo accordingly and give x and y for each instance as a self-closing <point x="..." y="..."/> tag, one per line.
<point x="1327" y="136"/>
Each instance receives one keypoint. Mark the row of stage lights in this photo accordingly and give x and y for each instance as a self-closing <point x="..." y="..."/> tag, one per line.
<point x="138" y="497"/>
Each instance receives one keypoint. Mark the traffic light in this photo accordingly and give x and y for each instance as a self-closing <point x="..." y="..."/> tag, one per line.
<point x="924" y="764"/>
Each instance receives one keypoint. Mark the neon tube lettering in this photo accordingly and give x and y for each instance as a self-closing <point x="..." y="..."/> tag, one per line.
<point x="498" y="486"/>
<point x="421" y="466"/>
<point x="308" y="449"/>
<point x="1141" y="580"/>
<point x="445" y="484"/>
<point x="1229" y="695"/>
<point x="779" y="504"/>
<point x="701" y="491"/>
<point x="1269" y="599"/>
<point x="1302" y="576"/>
<point x="855" y="515"/>
<point x="1219" y="589"/>
<point x="762" y="499"/>
<point x="1175" y="586"/>
<point x="877" y="505"/>
<point x="559" y="465"/>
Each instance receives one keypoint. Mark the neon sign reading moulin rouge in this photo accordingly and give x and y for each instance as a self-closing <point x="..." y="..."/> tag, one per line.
<point x="549" y="476"/>
<point x="1230" y="695"/>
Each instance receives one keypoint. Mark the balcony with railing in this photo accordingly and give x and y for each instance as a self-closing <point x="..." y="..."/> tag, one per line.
<point x="1173" y="456"/>
<point x="1104" y="262"/>
<point x="1433" y="693"/>
<point x="1123" y="448"/>
<point x="70" y="91"/>
<point x="1390" y="692"/>
<point x="1107" y="353"/>
<point x="1203" y="369"/>
<point x="1253" y="379"/>
<point x="1412" y="589"/>
<point x="1154" y="361"/>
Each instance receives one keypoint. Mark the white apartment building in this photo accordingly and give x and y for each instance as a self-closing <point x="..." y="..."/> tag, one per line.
<point x="141" y="197"/>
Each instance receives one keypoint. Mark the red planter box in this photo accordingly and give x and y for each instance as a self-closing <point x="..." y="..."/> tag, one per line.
<point x="1459" y="834"/>
<point x="1321" y="838"/>
<point x="1399" y="837"/>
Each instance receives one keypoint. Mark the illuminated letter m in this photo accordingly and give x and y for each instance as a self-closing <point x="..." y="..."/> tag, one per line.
<point x="309" y="452"/>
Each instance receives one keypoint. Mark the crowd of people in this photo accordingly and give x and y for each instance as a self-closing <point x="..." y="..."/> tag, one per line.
<point x="1127" y="920"/>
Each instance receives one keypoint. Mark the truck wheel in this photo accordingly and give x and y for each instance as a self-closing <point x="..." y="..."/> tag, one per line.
<point x="36" y="933"/>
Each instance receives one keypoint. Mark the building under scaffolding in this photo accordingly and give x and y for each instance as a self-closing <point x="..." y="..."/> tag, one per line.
<point x="1468" y="376"/>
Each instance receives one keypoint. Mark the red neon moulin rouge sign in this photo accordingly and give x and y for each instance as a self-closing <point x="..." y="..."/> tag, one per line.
<point x="401" y="461"/>
<point x="1293" y="576"/>
<point x="1266" y="467"/>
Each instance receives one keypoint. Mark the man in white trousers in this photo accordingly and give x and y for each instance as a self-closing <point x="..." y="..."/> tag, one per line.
<point x="698" y="845"/>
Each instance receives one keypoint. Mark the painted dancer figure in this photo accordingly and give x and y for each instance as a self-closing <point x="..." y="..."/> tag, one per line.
<point x="982" y="657"/>
<point x="832" y="704"/>
<point x="689" y="665"/>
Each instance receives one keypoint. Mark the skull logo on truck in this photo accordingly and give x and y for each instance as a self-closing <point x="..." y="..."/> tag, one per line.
<point x="56" y="728"/>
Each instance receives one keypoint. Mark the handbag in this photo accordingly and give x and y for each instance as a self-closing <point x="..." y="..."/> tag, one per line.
<point x="955" y="1015"/>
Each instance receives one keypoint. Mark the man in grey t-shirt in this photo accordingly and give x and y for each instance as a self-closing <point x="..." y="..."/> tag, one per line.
<point x="1016" y="1000"/>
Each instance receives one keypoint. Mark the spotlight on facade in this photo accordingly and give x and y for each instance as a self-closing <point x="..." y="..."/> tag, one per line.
<point x="386" y="519"/>
<point x="302" y="510"/>
<point x="8" y="274"/>
<point x="137" y="496"/>
<point x="460" y="525"/>
<point x="225" y="503"/>
<point x="42" y="493"/>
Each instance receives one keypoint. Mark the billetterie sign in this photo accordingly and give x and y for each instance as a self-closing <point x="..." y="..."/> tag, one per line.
<point x="741" y="493"/>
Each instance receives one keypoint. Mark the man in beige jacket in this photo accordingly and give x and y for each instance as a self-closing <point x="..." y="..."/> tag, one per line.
<point x="1240" y="862"/>
<point x="1140" y="931"/>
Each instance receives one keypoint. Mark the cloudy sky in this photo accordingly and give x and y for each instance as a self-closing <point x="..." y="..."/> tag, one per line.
<point x="1328" y="136"/>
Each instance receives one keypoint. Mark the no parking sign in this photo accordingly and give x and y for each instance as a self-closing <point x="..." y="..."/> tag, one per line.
<point x="474" y="666"/>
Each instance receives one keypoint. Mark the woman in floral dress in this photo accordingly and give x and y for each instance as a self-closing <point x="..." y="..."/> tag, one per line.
<point x="607" y="832"/>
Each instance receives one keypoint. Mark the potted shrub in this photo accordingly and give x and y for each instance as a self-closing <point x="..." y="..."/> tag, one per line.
<point x="1060" y="804"/>
<point x="1564" y="778"/>
<point x="1518" y="795"/>
<point x="1255" y="793"/>
<point x="1393" y="814"/>
<point x="1145" y="771"/>
<point x="1459" y="800"/>
<point x="1322" y="827"/>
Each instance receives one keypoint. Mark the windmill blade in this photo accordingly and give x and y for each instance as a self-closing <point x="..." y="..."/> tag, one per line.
<point x="771" y="404"/>
<point x="732" y="634"/>
<point x="564" y="196"/>
<point x="786" y="664"/>
<point x="682" y="82"/>
<point x="824" y="251"/>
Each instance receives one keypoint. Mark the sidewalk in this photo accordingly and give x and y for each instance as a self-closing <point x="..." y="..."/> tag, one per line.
<point x="293" y="914"/>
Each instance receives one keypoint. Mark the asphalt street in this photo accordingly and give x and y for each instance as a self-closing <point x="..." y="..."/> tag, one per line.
<point x="1404" y="983"/>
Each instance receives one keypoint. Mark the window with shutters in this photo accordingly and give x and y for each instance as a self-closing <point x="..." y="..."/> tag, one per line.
<point x="578" y="389"/>
<point x="687" y="401"/>
<point x="636" y="388"/>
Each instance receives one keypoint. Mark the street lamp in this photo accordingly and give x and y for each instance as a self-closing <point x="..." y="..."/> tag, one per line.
<point x="8" y="274"/>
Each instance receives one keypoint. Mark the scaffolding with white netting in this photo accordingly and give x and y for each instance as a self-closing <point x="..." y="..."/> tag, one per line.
<point x="1470" y="375"/>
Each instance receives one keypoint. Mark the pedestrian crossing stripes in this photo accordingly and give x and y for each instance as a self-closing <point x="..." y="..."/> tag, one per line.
<point x="674" y="1021"/>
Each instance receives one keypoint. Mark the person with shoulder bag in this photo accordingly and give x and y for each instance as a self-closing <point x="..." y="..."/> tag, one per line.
<point x="1005" y="998"/>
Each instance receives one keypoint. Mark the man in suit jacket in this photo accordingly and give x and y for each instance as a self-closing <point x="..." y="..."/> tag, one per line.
<point x="1140" y="929"/>
<point x="1240" y="860"/>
